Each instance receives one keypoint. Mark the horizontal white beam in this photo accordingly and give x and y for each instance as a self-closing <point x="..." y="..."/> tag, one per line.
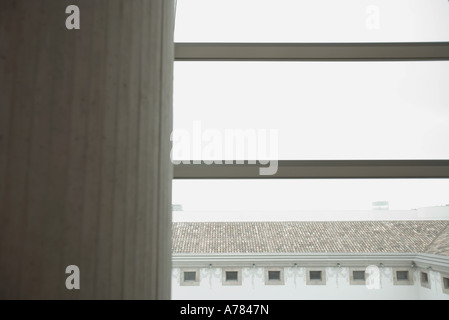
<point x="320" y="169"/>
<point x="422" y="51"/>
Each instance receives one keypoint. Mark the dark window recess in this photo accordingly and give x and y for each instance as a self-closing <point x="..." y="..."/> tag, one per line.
<point x="402" y="275"/>
<point x="359" y="275"/>
<point x="190" y="276"/>
<point x="274" y="275"/>
<point x="424" y="277"/>
<point x="446" y="283"/>
<point x="315" y="275"/>
<point x="232" y="275"/>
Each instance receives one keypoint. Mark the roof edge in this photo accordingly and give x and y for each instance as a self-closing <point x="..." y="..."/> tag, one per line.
<point x="424" y="261"/>
<point x="436" y="238"/>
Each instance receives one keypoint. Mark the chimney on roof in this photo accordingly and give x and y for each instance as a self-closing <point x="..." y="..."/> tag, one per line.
<point x="381" y="205"/>
<point x="176" y="207"/>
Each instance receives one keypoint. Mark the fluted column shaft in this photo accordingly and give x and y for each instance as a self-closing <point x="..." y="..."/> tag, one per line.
<point x="85" y="173"/>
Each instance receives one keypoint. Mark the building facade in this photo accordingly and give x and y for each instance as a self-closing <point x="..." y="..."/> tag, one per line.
<point x="311" y="260"/>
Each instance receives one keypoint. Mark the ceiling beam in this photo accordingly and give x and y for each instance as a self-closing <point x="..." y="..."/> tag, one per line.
<point x="320" y="169"/>
<point x="422" y="51"/>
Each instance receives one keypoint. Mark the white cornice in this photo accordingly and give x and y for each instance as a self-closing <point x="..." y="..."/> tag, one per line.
<point x="436" y="262"/>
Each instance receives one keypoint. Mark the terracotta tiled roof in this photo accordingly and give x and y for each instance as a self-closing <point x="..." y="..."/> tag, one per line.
<point x="312" y="237"/>
<point x="440" y="244"/>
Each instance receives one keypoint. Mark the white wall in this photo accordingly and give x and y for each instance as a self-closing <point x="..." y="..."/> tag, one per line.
<point x="337" y="287"/>
<point x="436" y="291"/>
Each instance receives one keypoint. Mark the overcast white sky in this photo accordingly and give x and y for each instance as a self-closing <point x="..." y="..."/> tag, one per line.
<point x="286" y="195"/>
<point x="333" y="110"/>
<point x="311" y="20"/>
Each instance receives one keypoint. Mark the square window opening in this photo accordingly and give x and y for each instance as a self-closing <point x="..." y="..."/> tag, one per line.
<point x="274" y="275"/>
<point x="315" y="275"/>
<point x="446" y="283"/>
<point x="232" y="276"/>
<point x="189" y="276"/>
<point x="359" y="275"/>
<point x="424" y="277"/>
<point x="402" y="275"/>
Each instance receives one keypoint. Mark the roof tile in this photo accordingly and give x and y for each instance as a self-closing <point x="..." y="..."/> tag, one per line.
<point x="312" y="237"/>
